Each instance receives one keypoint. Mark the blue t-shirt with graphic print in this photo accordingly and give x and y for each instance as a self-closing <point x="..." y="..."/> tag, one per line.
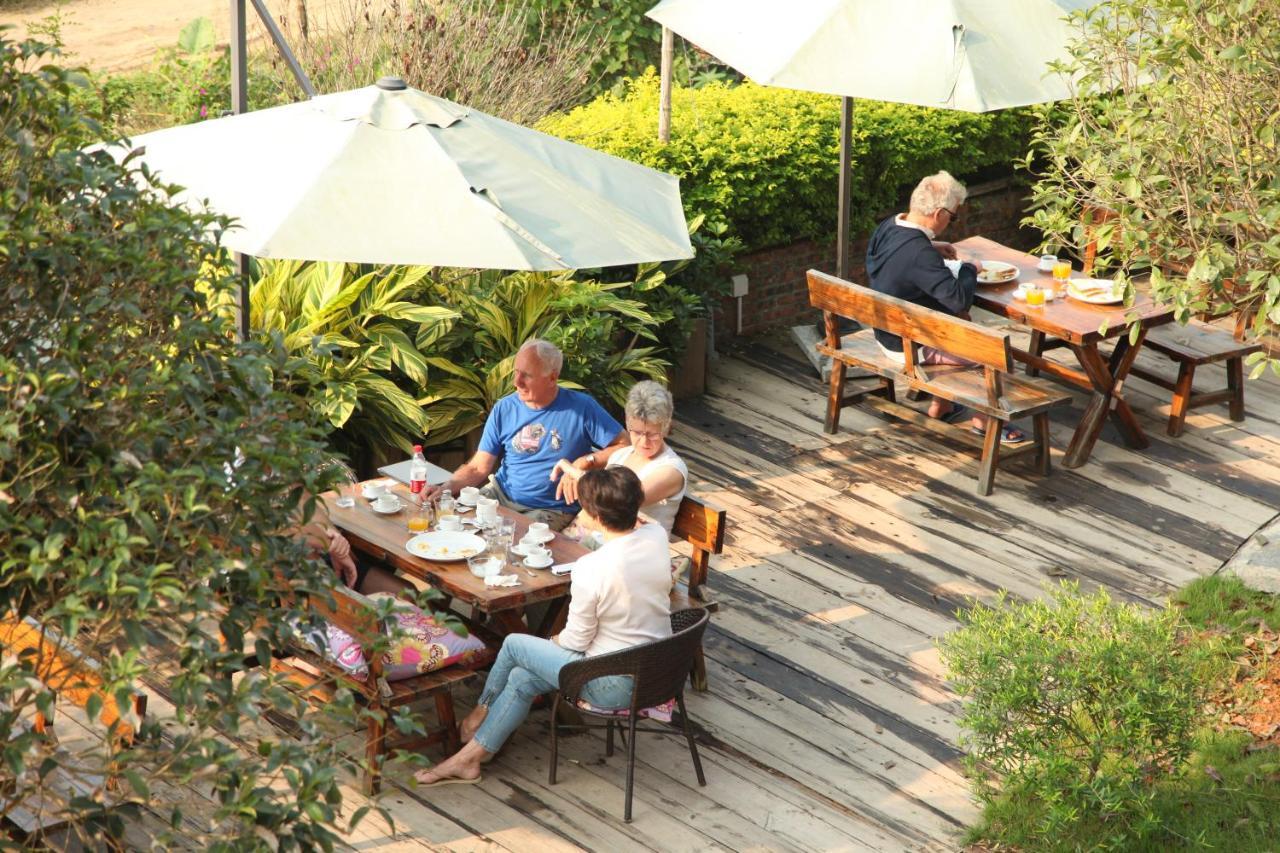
<point x="530" y="442"/>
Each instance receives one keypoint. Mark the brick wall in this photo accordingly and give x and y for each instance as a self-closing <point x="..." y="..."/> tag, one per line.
<point x="778" y="296"/>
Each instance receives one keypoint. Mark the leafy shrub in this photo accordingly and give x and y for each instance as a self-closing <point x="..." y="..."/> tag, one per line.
<point x="352" y="334"/>
<point x="1076" y="704"/>
<point x="628" y="41"/>
<point x="764" y="160"/>
<point x="150" y="472"/>
<point x="1174" y="126"/>
<point x="596" y="325"/>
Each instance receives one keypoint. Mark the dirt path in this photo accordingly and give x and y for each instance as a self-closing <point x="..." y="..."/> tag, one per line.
<point x="117" y="35"/>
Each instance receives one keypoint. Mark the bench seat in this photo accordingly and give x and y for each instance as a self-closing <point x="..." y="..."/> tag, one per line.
<point x="986" y="384"/>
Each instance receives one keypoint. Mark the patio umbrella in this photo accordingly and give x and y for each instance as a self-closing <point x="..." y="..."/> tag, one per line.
<point x="389" y="174"/>
<point x="971" y="55"/>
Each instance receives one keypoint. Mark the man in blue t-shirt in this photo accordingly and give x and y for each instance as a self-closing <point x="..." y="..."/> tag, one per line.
<point x="529" y="431"/>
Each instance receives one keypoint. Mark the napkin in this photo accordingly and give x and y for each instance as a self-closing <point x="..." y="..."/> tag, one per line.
<point x="501" y="580"/>
<point x="563" y="568"/>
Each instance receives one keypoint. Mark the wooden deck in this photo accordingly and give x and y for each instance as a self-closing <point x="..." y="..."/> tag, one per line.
<point x="828" y="725"/>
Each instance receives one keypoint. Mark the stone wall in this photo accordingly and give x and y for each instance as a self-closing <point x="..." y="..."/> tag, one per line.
<point x="778" y="296"/>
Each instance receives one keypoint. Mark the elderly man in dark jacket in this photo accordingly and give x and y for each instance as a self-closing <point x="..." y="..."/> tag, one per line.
<point x="904" y="260"/>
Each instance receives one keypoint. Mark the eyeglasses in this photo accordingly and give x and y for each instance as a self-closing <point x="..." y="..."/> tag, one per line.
<point x="949" y="211"/>
<point x="639" y="433"/>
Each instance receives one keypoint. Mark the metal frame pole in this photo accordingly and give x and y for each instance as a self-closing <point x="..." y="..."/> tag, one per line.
<point x="846" y="187"/>
<point x="664" y="86"/>
<point x="239" y="104"/>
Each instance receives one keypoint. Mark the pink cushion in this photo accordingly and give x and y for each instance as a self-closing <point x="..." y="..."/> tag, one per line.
<point x="424" y="646"/>
<point x="662" y="713"/>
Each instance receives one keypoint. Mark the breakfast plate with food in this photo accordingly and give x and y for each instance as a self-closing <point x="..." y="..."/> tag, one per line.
<point x="997" y="272"/>
<point x="445" y="545"/>
<point x="1096" y="291"/>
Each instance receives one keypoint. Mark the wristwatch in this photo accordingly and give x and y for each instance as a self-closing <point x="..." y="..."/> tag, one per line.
<point x="591" y="459"/>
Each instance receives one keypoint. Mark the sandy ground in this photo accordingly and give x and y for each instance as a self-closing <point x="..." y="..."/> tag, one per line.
<point x="117" y="35"/>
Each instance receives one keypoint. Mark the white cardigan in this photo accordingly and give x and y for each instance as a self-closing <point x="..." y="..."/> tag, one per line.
<point x="620" y="594"/>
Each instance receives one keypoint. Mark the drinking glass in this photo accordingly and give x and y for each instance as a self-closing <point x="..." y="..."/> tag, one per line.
<point x="1035" y="296"/>
<point x="1061" y="274"/>
<point x="337" y="475"/>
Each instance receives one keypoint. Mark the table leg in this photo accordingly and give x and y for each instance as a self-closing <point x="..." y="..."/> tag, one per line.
<point x="510" y="622"/>
<point x="1107" y="377"/>
<point x="554" y="619"/>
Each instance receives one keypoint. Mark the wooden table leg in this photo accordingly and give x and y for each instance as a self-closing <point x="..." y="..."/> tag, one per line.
<point x="510" y="621"/>
<point x="1107" y="378"/>
<point x="553" y="621"/>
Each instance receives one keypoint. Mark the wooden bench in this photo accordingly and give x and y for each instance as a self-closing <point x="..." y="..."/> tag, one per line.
<point x="1187" y="346"/>
<point x="987" y="386"/>
<point x="318" y="678"/>
<point x="702" y="526"/>
<point x="75" y="678"/>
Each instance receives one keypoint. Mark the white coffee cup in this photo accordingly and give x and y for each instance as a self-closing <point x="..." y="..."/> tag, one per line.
<point x="1046" y="263"/>
<point x="373" y="491"/>
<point x="469" y="495"/>
<point x="450" y="522"/>
<point x="487" y="511"/>
<point x="539" y="530"/>
<point x="386" y="502"/>
<point x="537" y="555"/>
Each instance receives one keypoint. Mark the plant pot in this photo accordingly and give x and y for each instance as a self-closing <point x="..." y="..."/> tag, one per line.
<point x="688" y="378"/>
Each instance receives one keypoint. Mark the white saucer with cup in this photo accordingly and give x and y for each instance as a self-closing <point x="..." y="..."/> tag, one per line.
<point x="539" y="532"/>
<point x="537" y="557"/>
<point x="470" y="495"/>
<point x="373" y="490"/>
<point x="1021" y="292"/>
<point x="450" y="523"/>
<point x="1046" y="263"/>
<point x="386" y="503"/>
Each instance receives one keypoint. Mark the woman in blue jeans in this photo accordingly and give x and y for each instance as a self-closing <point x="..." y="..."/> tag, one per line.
<point x="619" y="597"/>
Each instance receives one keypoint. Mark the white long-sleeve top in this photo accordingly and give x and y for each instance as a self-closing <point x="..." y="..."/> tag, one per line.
<point x="620" y="594"/>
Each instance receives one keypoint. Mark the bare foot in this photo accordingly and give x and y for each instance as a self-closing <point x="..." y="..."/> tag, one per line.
<point x="458" y="769"/>
<point x="472" y="722"/>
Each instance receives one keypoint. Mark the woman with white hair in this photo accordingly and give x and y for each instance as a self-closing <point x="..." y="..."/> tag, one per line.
<point x="905" y="260"/>
<point x="663" y="474"/>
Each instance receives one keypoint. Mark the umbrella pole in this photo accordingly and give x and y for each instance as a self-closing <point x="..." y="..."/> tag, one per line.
<point x="846" y="186"/>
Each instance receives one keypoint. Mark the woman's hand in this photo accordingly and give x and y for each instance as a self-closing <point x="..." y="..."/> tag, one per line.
<point x="567" y="474"/>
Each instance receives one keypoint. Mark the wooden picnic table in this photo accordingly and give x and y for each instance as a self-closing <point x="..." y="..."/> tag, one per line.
<point x="383" y="538"/>
<point x="1079" y="326"/>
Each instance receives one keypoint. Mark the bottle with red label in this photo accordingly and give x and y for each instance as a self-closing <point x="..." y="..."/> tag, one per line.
<point x="418" y="473"/>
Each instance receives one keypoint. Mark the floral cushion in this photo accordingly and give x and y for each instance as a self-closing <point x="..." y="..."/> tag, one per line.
<point x="662" y="713"/>
<point x="424" y="645"/>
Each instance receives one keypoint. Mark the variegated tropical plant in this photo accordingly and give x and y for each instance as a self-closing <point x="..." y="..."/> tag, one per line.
<point x="353" y="330"/>
<point x="596" y="326"/>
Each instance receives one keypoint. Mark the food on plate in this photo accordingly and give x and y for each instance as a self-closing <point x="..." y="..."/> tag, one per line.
<point x="995" y="272"/>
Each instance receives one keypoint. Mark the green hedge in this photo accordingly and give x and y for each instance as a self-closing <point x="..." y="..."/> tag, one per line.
<point x="765" y="160"/>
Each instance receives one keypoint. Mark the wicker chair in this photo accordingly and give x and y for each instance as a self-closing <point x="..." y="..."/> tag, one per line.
<point x="658" y="671"/>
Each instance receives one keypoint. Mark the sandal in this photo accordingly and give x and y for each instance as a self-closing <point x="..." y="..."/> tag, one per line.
<point x="1009" y="434"/>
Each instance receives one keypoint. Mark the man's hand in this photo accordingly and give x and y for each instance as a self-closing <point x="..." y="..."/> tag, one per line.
<point x="566" y="474"/>
<point x="339" y="547"/>
<point x="346" y="570"/>
<point x="945" y="249"/>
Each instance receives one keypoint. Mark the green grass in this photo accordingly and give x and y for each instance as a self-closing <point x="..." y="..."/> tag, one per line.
<point x="1227" y="798"/>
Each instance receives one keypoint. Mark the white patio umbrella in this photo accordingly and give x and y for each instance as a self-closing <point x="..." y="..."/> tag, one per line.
<point x="389" y="174"/>
<point x="971" y="55"/>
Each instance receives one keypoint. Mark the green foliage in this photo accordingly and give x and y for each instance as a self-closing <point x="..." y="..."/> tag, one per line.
<point x="597" y="327"/>
<point x="1078" y="705"/>
<point x="151" y="470"/>
<point x="764" y="161"/>
<point x="1222" y="603"/>
<point x="1175" y="126"/>
<point x="630" y="41"/>
<point x="352" y="332"/>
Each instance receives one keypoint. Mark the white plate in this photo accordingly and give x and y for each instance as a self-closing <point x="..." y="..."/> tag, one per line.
<point x="1107" y="297"/>
<point x="388" y="511"/>
<point x="997" y="268"/>
<point x="540" y="564"/>
<point x="445" y="545"/>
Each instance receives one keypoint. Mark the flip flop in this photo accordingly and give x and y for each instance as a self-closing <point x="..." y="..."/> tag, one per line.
<point x="1009" y="434"/>
<point x="448" y="780"/>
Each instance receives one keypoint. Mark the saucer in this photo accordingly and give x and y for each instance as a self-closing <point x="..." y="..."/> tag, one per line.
<point x="387" y="510"/>
<point x="540" y="564"/>
<point x="546" y="537"/>
<point x="464" y="502"/>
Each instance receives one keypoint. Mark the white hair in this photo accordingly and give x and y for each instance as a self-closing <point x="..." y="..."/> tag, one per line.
<point x="936" y="192"/>
<point x="547" y="353"/>
<point x="650" y="403"/>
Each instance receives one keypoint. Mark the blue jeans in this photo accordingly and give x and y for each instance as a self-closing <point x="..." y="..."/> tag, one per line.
<point x="527" y="667"/>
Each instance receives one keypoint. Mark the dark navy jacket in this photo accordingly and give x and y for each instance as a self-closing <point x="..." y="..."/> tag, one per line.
<point x="902" y="262"/>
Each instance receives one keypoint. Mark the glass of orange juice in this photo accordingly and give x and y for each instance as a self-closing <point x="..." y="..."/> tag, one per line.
<point x="1035" y="296"/>
<point x="1061" y="273"/>
<point x="420" y="518"/>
